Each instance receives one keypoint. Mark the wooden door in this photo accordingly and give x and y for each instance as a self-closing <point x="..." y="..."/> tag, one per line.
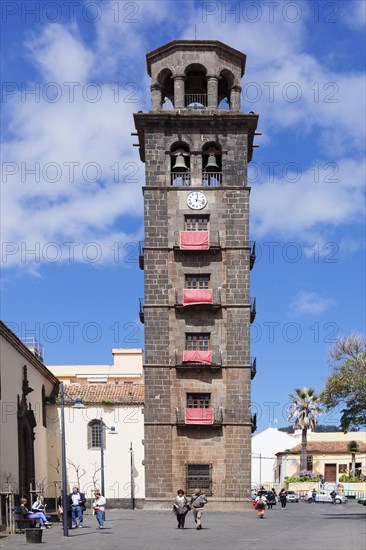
<point x="330" y="473"/>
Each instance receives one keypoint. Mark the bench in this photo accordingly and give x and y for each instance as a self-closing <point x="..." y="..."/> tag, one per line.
<point x="22" y="523"/>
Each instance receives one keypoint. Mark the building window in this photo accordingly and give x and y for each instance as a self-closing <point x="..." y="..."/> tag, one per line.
<point x="95" y="434"/>
<point x="198" y="400"/>
<point x="342" y="468"/>
<point x="198" y="342"/>
<point x="309" y="463"/>
<point x="197" y="281"/>
<point x="196" y="223"/>
<point x="199" y="475"/>
<point x="44" y="409"/>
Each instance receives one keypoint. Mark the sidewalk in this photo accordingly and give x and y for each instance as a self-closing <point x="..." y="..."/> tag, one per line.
<point x="301" y="526"/>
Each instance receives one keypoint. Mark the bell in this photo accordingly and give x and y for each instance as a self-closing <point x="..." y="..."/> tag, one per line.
<point x="211" y="165"/>
<point x="180" y="165"/>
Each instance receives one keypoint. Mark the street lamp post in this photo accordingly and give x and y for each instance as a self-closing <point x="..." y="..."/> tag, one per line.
<point x="112" y="431"/>
<point x="77" y="404"/>
<point x="63" y="462"/>
<point x="102" y="456"/>
<point x="132" y="478"/>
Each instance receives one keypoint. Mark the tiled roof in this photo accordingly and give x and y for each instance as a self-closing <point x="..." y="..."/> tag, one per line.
<point x="121" y="394"/>
<point x="324" y="447"/>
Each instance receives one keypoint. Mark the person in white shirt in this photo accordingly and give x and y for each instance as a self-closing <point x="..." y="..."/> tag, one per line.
<point x="40" y="506"/>
<point x="181" y="508"/>
<point x="77" y="502"/>
<point x="99" y="508"/>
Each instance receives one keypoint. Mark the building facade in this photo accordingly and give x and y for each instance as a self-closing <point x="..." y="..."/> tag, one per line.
<point x="197" y="258"/>
<point x="25" y="385"/>
<point x="328" y="456"/>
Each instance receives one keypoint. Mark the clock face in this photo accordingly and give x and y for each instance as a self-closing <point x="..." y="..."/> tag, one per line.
<point x="196" y="200"/>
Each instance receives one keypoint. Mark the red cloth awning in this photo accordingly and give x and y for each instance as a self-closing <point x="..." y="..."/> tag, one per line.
<point x="194" y="240"/>
<point x="197" y="296"/>
<point x="199" y="416"/>
<point x="195" y="356"/>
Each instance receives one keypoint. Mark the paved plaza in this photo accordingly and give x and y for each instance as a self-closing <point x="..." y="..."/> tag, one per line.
<point x="302" y="527"/>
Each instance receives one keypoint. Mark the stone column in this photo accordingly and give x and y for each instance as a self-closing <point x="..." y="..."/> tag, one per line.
<point x="235" y="98"/>
<point x="156" y="97"/>
<point x="179" y="81"/>
<point x="212" y="91"/>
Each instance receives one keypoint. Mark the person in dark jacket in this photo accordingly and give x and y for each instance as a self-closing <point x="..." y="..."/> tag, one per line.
<point x="77" y="502"/>
<point x="283" y="498"/>
<point x="36" y="516"/>
<point x="271" y="500"/>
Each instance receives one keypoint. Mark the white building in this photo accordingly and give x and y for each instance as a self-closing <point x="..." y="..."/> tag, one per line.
<point x="108" y="392"/>
<point x="265" y="445"/>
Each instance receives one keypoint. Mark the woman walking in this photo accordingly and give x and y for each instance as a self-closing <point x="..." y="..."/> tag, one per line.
<point x="99" y="509"/>
<point x="260" y="505"/>
<point x="181" y="508"/>
<point x="283" y="498"/>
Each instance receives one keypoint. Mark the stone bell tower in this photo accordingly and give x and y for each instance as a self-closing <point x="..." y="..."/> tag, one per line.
<point x="196" y="144"/>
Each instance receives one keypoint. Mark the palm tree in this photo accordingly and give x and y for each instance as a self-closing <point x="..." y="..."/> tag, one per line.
<point x="353" y="448"/>
<point x="304" y="411"/>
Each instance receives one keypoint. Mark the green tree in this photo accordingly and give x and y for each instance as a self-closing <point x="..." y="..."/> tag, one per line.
<point x="346" y="385"/>
<point x="304" y="411"/>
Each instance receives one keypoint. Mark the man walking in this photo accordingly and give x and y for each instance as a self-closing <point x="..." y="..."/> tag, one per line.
<point x="333" y="495"/>
<point x="198" y="501"/>
<point x="77" y="501"/>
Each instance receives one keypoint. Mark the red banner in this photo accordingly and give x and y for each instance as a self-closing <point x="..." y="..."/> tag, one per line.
<point x="199" y="416"/>
<point x="197" y="296"/>
<point x="194" y="240"/>
<point x="196" y="356"/>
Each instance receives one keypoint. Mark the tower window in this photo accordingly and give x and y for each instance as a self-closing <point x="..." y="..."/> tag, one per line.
<point x="199" y="475"/>
<point x="198" y="400"/>
<point x="200" y="342"/>
<point x="197" y="281"/>
<point x="196" y="223"/>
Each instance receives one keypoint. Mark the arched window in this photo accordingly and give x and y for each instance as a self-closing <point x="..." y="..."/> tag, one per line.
<point x="166" y="83"/>
<point x="211" y="164"/>
<point x="95" y="434"/>
<point x="180" y="164"/>
<point x="195" y="86"/>
<point x="226" y="82"/>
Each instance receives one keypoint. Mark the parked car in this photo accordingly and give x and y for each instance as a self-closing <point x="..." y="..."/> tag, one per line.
<point x="292" y="496"/>
<point x="324" y="496"/>
<point x="362" y="501"/>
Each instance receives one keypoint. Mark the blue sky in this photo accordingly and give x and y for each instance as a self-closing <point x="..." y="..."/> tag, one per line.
<point x="72" y="181"/>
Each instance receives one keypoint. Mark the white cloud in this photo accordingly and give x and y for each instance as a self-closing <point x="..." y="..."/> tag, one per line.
<point x="307" y="303"/>
<point x="60" y="55"/>
<point x="354" y="13"/>
<point x="300" y="208"/>
<point x="84" y="132"/>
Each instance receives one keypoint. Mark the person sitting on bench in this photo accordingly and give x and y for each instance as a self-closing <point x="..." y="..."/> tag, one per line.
<point x="29" y="515"/>
<point x="40" y="506"/>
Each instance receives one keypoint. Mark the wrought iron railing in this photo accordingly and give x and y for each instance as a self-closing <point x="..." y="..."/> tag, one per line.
<point x="253" y="367"/>
<point x="253" y="309"/>
<point x="217" y="417"/>
<point x="196" y="98"/>
<point x="216" y="361"/>
<point x="181" y="178"/>
<point x="214" y="240"/>
<point x="142" y="310"/>
<point x="253" y="419"/>
<point x="253" y="253"/>
<point x="141" y="254"/>
<point x="211" y="179"/>
<point x="216" y="298"/>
